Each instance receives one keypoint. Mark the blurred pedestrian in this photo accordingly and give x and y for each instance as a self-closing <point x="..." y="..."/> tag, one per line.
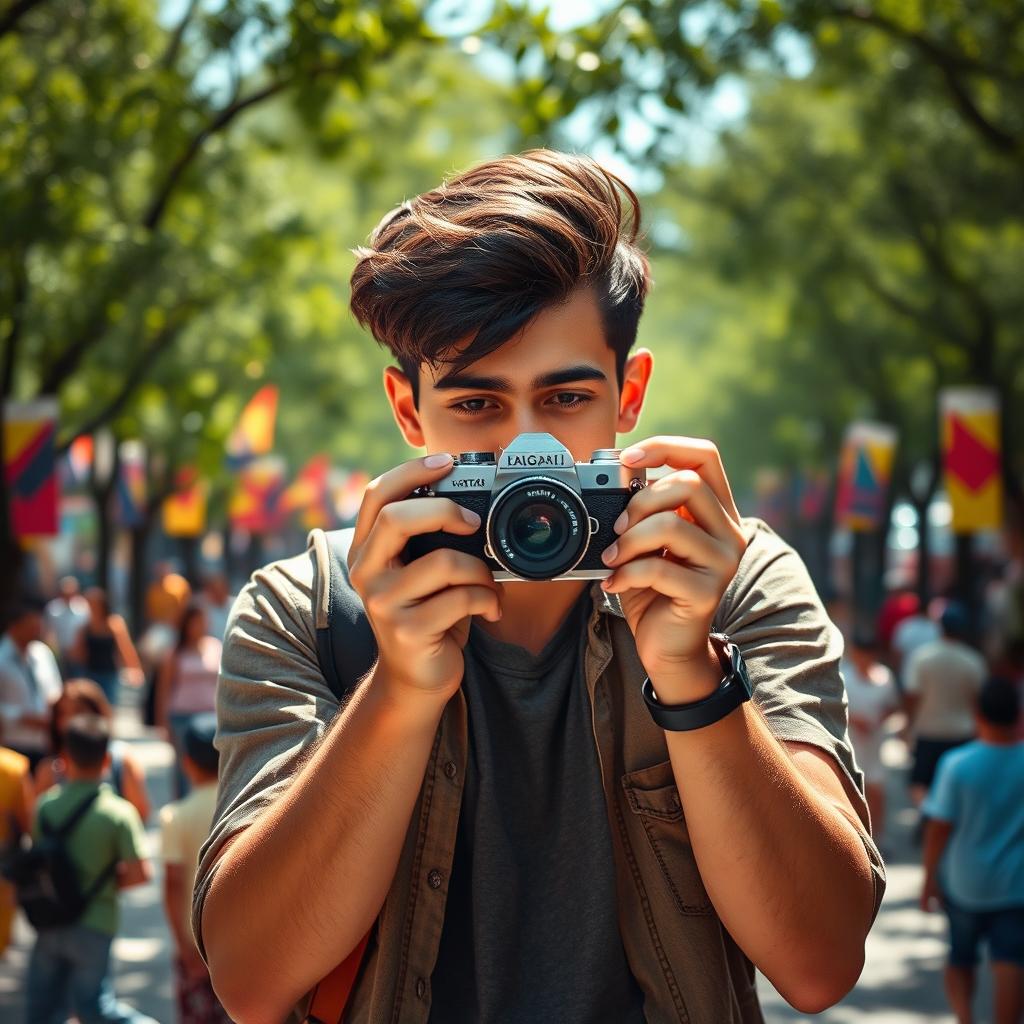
<point x="63" y="617"/>
<point x="974" y="855"/>
<point x="941" y="683"/>
<point x="167" y="596"/>
<point x="872" y="698"/>
<point x="901" y="602"/>
<point x="125" y="775"/>
<point x="70" y="964"/>
<point x="187" y="682"/>
<point x="217" y="600"/>
<point x="104" y="647"/>
<point x="913" y="632"/>
<point x="17" y="800"/>
<point x="29" y="683"/>
<point x="184" y="826"/>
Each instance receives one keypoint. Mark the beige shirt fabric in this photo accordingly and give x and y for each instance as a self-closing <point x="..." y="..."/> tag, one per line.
<point x="946" y="677"/>
<point x="274" y="706"/>
<point x="184" y="826"/>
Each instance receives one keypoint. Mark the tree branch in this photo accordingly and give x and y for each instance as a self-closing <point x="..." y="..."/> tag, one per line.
<point x="157" y="346"/>
<point x="10" y="18"/>
<point x="170" y="55"/>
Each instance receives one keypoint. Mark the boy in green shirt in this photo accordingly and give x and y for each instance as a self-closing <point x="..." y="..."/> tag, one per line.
<point x="70" y="964"/>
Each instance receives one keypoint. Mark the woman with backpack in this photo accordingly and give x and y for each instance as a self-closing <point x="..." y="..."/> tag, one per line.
<point x="186" y="684"/>
<point x="126" y="777"/>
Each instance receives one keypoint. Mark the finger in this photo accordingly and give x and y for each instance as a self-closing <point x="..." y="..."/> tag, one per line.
<point x="400" y="520"/>
<point x="394" y="485"/>
<point x="665" y="531"/>
<point x="427" y="575"/>
<point x="685" y="453"/>
<point x="437" y="614"/>
<point x="676" y="581"/>
<point x="683" y="490"/>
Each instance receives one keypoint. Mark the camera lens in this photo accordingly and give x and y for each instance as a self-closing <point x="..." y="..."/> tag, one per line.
<point x="538" y="528"/>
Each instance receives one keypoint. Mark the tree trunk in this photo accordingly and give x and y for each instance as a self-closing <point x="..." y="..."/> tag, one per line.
<point x="966" y="584"/>
<point x="137" y="575"/>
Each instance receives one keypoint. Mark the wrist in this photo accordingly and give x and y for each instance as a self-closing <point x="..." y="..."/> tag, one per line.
<point x="689" y="679"/>
<point x="405" y="702"/>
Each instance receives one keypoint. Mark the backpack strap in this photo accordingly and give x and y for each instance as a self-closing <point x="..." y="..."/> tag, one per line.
<point x="345" y="645"/>
<point x="346" y="650"/>
<point x="67" y="826"/>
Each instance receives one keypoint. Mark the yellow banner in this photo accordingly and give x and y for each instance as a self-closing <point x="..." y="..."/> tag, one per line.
<point x="972" y="458"/>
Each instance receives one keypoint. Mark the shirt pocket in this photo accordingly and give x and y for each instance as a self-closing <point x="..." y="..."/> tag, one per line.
<point x="653" y="798"/>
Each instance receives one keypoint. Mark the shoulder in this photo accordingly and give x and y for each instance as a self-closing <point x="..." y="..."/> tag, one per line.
<point x="169" y="813"/>
<point x="962" y="759"/>
<point x="12" y="763"/>
<point x="115" y="807"/>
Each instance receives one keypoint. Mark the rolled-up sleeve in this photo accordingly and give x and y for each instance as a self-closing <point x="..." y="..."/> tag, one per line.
<point x="793" y="653"/>
<point x="273" y="706"/>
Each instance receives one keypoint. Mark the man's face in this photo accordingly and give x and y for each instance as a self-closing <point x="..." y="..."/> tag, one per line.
<point x="556" y="377"/>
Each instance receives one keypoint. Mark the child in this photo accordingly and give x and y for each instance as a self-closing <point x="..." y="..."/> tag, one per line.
<point x="185" y="825"/>
<point x="974" y="854"/>
<point x="70" y="964"/>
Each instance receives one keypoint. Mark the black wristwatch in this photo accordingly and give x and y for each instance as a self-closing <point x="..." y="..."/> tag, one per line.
<point x="734" y="690"/>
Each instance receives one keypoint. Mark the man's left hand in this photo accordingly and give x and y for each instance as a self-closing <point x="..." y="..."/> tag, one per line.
<point x="679" y="546"/>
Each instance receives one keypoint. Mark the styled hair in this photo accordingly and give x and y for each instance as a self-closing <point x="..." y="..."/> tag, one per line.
<point x="86" y="741"/>
<point x="999" y="702"/>
<point x="481" y="255"/>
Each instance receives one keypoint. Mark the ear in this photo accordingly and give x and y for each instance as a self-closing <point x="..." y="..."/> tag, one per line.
<point x="398" y="388"/>
<point x="635" y="377"/>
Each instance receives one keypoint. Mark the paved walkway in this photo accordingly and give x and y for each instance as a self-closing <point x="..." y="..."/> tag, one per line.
<point x="901" y="984"/>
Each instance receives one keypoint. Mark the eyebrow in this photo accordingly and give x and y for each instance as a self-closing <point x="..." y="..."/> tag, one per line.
<point x="474" y="382"/>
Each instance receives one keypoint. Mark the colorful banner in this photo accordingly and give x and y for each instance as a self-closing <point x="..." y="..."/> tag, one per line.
<point x="254" y="433"/>
<point x="347" y="489"/>
<point x="972" y="458"/>
<point x="185" y="510"/>
<point x="255" y="504"/>
<point x="865" y="469"/>
<point x="30" y="466"/>
<point x="307" y="494"/>
<point x="131" y="485"/>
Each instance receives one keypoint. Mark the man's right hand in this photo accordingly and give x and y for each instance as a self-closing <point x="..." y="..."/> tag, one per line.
<point x="420" y="612"/>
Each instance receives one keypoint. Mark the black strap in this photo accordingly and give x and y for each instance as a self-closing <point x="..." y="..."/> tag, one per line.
<point x="346" y="647"/>
<point x="68" y="825"/>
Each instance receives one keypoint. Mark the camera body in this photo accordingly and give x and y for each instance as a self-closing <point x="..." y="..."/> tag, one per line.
<point x="545" y="516"/>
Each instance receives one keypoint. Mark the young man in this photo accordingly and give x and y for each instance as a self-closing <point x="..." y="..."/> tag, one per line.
<point x="184" y="825"/>
<point x="70" y="964"/>
<point x="496" y="804"/>
<point x="974" y="855"/>
<point x="29" y="684"/>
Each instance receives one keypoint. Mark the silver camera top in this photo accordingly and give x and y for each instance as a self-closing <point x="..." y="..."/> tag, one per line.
<point x="540" y="454"/>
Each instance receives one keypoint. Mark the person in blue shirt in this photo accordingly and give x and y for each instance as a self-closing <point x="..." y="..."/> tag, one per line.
<point x="974" y="854"/>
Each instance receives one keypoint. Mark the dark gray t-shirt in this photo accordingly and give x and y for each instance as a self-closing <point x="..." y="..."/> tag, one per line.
<point x="530" y="930"/>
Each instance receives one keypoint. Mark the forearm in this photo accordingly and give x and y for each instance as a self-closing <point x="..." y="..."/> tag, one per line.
<point x="786" y="870"/>
<point x="269" y="933"/>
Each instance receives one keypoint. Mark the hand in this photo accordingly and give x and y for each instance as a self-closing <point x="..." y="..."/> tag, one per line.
<point x="134" y="677"/>
<point x="931" y="895"/>
<point x="679" y="546"/>
<point x="420" y="613"/>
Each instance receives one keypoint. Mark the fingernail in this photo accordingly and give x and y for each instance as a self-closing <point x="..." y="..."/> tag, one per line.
<point x="620" y="524"/>
<point x="631" y="455"/>
<point x="470" y="516"/>
<point x="609" y="556"/>
<point x="606" y="584"/>
<point x="437" y="461"/>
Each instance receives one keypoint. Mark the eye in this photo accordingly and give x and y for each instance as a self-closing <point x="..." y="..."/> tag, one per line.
<point x="470" y="406"/>
<point x="570" y="399"/>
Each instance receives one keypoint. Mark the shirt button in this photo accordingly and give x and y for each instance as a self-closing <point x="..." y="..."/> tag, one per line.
<point x="434" y="879"/>
<point x="450" y="769"/>
<point x="421" y="988"/>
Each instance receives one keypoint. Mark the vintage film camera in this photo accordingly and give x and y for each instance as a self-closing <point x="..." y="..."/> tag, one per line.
<point x="545" y="516"/>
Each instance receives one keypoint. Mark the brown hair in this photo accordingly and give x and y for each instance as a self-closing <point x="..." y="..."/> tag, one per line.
<point x="86" y="694"/>
<point x="480" y="256"/>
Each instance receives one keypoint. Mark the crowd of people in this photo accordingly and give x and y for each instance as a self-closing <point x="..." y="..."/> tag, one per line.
<point x="947" y="681"/>
<point x="915" y="677"/>
<point x="68" y="783"/>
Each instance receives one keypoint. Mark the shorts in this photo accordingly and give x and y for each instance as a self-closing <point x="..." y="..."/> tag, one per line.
<point x="926" y="758"/>
<point x="1003" y="930"/>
